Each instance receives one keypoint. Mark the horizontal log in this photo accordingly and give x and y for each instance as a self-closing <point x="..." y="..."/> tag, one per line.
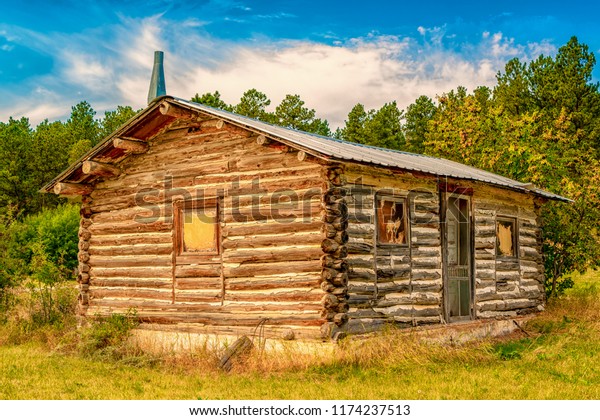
<point x="194" y="133"/>
<point x="280" y="200"/>
<point x="509" y="264"/>
<point x="360" y="261"/>
<point x="273" y="227"/>
<point x="127" y="214"/>
<point x="272" y="254"/>
<point x="300" y="213"/>
<point x="257" y="269"/>
<point x="90" y="167"/>
<point x="197" y="259"/>
<point x="146" y="293"/>
<point x="131" y="146"/>
<point x="425" y="274"/>
<point x="174" y="111"/>
<point x="247" y="320"/>
<point x="268" y="282"/>
<point x="426" y="286"/>
<point x="129" y="197"/>
<point x="69" y="189"/>
<point x="126" y="261"/>
<point x="187" y="296"/>
<point x="392" y="273"/>
<point x="213" y="123"/>
<point x="362" y="274"/>
<point x="359" y="248"/>
<point x="397" y="286"/>
<point x="145" y="272"/>
<point x="163" y="155"/>
<point x="155" y="171"/>
<point x="134" y="239"/>
<point x="204" y="270"/>
<point x="199" y="283"/>
<point x="198" y="313"/>
<point x="398" y="254"/>
<point x="277" y="295"/>
<point x="272" y="240"/>
<point x="270" y="331"/>
<point x="131" y="282"/>
<point x="139" y="250"/>
<point x="149" y="225"/>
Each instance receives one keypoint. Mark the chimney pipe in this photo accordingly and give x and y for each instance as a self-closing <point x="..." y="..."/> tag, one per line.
<point x="157" y="82"/>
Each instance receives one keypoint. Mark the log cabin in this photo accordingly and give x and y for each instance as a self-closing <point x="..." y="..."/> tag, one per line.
<point x="205" y="221"/>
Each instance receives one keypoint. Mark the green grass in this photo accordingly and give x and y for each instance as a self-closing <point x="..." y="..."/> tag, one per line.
<point x="559" y="359"/>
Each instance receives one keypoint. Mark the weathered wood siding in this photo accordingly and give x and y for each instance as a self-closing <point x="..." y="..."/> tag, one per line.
<point x="504" y="286"/>
<point x="404" y="284"/>
<point x="400" y="284"/>
<point x="270" y="221"/>
<point x="297" y="239"/>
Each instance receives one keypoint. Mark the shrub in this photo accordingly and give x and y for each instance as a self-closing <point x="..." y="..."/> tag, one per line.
<point x="39" y="254"/>
<point x="108" y="336"/>
<point x="57" y="236"/>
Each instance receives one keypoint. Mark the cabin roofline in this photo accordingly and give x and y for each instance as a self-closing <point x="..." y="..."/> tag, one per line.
<point x="137" y="128"/>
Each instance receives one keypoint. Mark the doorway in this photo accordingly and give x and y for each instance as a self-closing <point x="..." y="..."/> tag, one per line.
<point x="458" y="233"/>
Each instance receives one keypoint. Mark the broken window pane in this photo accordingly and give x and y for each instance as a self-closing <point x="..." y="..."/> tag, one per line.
<point x="199" y="230"/>
<point x="391" y="221"/>
<point x="458" y="233"/>
<point x="506" y="238"/>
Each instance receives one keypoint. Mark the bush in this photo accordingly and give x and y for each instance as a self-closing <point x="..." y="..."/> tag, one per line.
<point x="40" y="254"/>
<point x="57" y="235"/>
<point x="108" y="337"/>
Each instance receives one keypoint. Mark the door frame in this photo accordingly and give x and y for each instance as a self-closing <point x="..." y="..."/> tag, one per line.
<point x="466" y="194"/>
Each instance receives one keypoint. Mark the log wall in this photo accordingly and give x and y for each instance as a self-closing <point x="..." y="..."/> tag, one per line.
<point x="298" y="254"/>
<point x="269" y="270"/>
<point x="507" y="286"/>
<point x="398" y="284"/>
<point x="404" y="284"/>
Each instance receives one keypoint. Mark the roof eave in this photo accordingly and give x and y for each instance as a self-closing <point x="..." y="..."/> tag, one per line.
<point x="48" y="188"/>
<point x="264" y="129"/>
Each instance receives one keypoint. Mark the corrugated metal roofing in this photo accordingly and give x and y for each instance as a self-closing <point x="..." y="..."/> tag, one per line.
<point x="347" y="151"/>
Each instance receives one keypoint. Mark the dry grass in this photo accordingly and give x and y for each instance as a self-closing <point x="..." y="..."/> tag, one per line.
<point x="558" y="358"/>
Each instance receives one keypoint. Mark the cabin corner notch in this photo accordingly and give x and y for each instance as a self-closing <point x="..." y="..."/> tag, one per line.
<point x="334" y="276"/>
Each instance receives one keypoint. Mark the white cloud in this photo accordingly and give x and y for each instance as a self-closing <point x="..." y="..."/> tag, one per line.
<point x="111" y="66"/>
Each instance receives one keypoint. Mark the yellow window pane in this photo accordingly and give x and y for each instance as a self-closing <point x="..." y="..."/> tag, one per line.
<point x="505" y="235"/>
<point x="199" y="231"/>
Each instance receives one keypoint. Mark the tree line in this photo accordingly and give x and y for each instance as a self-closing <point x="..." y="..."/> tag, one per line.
<point x="539" y="124"/>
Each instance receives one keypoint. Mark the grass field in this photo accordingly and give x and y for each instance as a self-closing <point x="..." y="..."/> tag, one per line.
<point x="558" y="359"/>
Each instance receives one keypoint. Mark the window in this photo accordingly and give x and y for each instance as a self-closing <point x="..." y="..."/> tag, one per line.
<point x="196" y="228"/>
<point x="392" y="226"/>
<point x="458" y="231"/>
<point x="506" y="237"/>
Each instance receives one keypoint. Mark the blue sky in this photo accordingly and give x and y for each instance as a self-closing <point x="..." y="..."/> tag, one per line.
<point x="333" y="53"/>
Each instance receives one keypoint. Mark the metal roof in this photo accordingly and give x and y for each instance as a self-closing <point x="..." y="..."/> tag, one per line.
<point x="347" y="151"/>
<point x="325" y="147"/>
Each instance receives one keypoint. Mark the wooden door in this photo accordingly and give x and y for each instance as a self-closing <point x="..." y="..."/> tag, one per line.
<point x="458" y="262"/>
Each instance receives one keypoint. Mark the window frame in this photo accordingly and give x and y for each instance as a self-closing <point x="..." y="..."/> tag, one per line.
<point x="179" y="209"/>
<point x="515" y="237"/>
<point x="405" y="215"/>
